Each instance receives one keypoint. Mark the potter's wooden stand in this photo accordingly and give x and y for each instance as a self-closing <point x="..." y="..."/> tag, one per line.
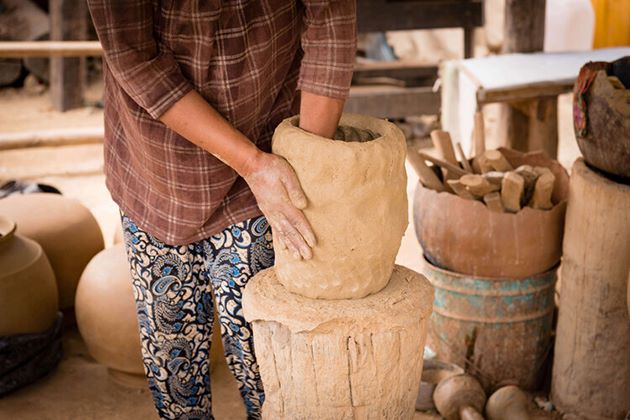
<point x="591" y="370"/>
<point x="525" y="81"/>
<point x="340" y="359"/>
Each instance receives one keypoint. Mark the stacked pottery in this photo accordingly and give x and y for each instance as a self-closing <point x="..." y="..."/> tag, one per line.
<point x="348" y="326"/>
<point x="29" y="325"/>
<point x="66" y="230"/>
<point x="494" y="275"/>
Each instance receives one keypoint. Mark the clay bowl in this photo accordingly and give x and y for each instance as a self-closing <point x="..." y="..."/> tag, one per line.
<point x="433" y="371"/>
<point x="607" y="143"/>
<point x="464" y="236"/>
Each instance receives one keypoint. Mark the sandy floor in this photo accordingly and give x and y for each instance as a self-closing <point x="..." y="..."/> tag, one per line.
<point x="80" y="388"/>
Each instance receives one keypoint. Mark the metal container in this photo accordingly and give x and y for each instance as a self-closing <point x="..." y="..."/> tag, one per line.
<point x="498" y="329"/>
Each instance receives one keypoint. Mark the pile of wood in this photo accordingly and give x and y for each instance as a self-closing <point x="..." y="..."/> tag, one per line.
<point x="488" y="177"/>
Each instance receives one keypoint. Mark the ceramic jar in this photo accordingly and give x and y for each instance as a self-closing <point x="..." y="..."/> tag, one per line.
<point x="357" y="206"/>
<point x="28" y="292"/>
<point x="66" y="230"/>
<point x="605" y="141"/>
<point x="106" y="312"/>
<point x="464" y="236"/>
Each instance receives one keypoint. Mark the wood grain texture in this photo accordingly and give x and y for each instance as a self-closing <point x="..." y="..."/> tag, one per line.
<point x="355" y="359"/>
<point x="591" y="373"/>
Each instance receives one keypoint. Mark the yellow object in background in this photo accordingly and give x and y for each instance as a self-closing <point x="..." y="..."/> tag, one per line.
<point x="612" y="23"/>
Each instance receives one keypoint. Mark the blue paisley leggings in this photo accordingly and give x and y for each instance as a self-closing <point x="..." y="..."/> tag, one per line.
<point x="173" y="288"/>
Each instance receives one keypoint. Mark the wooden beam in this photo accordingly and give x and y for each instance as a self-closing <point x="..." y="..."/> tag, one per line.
<point x="67" y="75"/>
<point x="387" y="15"/>
<point x="393" y="102"/>
<point x="20" y="49"/>
<point x="49" y="138"/>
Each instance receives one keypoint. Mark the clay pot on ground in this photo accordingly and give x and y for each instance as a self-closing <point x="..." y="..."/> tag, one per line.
<point x="433" y="372"/>
<point x="466" y="237"/>
<point x="106" y="314"/>
<point x="28" y="292"/>
<point x="66" y="230"/>
<point x="107" y="318"/>
<point x="605" y="143"/>
<point x="357" y="206"/>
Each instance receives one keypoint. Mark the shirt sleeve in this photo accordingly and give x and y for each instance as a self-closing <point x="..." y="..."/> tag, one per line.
<point x="329" y="44"/>
<point x="151" y="77"/>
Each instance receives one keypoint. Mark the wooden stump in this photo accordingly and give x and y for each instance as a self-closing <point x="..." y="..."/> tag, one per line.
<point x="591" y="372"/>
<point x="340" y="359"/>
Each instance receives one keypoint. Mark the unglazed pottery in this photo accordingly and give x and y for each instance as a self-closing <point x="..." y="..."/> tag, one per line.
<point x="66" y="230"/>
<point x="357" y="206"/>
<point x="28" y="292"/>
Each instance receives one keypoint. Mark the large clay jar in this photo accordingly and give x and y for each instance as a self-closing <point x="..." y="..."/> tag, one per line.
<point x="466" y="237"/>
<point x="107" y="318"/>
<point x="357" y="206"/>
<point x="106" y="313"/>
<point x="604" y="135"/>
<point x="28" y="292"/>
<point x="64" y="228"/>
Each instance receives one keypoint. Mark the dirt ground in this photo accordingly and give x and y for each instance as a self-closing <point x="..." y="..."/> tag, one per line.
<point x="80" y="388"/>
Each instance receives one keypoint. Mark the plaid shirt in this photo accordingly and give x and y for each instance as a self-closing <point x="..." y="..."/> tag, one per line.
<point x="246" y="58"/>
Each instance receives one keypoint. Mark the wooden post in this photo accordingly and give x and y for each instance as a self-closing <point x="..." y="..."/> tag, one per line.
<point x="67" y="75"/>
<point x="532" y="124"/>
<point x="591" y="368"/>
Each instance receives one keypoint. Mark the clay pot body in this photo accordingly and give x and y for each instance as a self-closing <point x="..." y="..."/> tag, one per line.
<point x="607" y="143"/>
<point x="107" y="317"/>
<point x="357" y="207"/>
<point x="106" y="312"/>
<point x="66" y="230"/>
<point x="466" y="237"/>
<point x="28" y="292"/>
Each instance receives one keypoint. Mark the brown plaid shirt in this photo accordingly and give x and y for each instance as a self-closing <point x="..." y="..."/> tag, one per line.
<point x="246" y="58"/>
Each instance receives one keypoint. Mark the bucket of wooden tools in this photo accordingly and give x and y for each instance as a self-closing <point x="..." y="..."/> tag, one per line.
<point x="503" y="217"/>
<point x="491" y="229"/>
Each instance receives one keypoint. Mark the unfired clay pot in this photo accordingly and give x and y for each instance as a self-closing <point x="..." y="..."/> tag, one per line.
<point x="107" y="317"/>
<point x="106" y="312"/>
<point x="606" y="142"/>
<point x="28" y="292"/>
<point x="64" y="228"/>
<point x="466" y="237"/>
<point x="357" y="207"/>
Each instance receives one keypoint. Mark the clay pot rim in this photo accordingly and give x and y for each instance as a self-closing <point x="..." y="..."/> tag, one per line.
<point x="459" y="275"/>
<point x="383" y="128"/>
<point x="7" y="229"/>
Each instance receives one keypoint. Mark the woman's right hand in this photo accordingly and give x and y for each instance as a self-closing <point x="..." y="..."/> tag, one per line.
<point x="281" y="199"/>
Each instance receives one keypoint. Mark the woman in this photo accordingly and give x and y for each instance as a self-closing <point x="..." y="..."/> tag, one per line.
<point x="193" y="92"/>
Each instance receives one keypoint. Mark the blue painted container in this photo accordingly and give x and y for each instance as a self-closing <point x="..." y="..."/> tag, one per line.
<point x="499" y="329"/>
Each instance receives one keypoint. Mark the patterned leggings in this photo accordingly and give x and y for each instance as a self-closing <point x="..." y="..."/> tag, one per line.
<point x="173" y="288"/>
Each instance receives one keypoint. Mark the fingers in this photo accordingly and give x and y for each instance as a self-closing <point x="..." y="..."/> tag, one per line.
<point x="292" y="185"/>
<point x="294" y="240"/>
<point x="297" y="219"/>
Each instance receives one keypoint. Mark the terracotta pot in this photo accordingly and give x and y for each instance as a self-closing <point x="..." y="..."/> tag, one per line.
<point x="357" y="207"/>
<point x="107" y="318"/>
<point x="106" y="312"/>
<point x="464" y="236"/>
<point x="64" y="228"/>
<point x="605" y="143"/>
<point x="28" y="292"/>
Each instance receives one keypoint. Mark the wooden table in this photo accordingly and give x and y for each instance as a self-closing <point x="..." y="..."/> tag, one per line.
<point x="470" y="84"/>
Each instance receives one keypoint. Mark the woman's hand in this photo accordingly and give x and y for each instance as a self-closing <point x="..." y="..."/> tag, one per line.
<point x="281" y="199"/>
